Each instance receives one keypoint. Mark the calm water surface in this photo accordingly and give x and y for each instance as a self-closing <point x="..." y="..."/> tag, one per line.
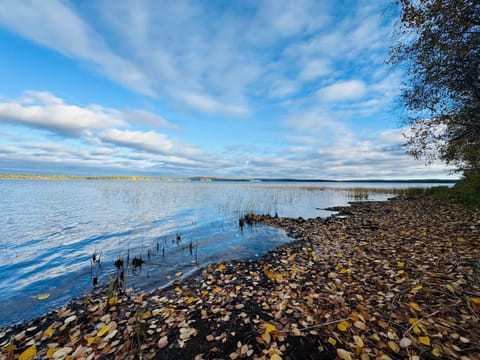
<point x="49" y="231"/>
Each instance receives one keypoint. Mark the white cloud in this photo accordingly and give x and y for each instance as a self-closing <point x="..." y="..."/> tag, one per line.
<point x="282" y="88"/>
<point x="148" y="141"/>
<point x="55" y="25"/>
<point x="343" y="90"/>
<point x="148" y="118"/>
<point x="209" y="104"/>
<point x="46" y="111"/>
<point x="315" y="68"/>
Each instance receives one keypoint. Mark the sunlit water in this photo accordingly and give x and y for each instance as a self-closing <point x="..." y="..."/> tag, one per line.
<point x="49" y="231"/>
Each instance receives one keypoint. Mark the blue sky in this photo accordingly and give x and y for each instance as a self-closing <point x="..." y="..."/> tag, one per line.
<point x="295" y="89"/>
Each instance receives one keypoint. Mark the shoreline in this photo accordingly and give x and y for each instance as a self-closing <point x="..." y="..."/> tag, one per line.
<point x="395" y="279"/>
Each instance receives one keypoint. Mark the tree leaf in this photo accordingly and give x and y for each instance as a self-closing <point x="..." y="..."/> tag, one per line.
<point x="343" y="325"/>
<point x="358" y="341"/>
<point x="405" y="342"/>
<point x="415" y="306"/>
<point x="43" y="296"/>
<point x="344" y="354"/>
<point x="425" y="340"/>
<point x="28" y="354"/>
<point x="103" y="330"/>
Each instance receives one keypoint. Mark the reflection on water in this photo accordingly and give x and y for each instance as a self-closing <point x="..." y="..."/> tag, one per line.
<point x="50" y="231"/>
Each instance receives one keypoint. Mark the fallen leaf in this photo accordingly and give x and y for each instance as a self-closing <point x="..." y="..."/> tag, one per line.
<point x="48" y="332"/>
<point x="332" y="341"/>
<point x="405" y="342"/>
<point x="415" y="306"/>
<point x="162" y="342"/>
<point x="103" y="330"/>
<point x="358" y="341"/>
<point x="43" y="296"/>
<point x="343" y="325"/>
<point x="275" y="357"/>
<point x="220" y="267"/>
<point x="61" y="353"/>
<point x="344" y="354"/>
<point x="394" y="346"/>
<point x="359" y="325"/>
<point x="51" y="351"/>
<point x="416" y="289"/>
<point x="28" y="354"/>
<point x="113" y="300"/>
<point x="450" y="288"/>
<point x="436" y="350"/>
<point x="425" y="340"/>
<point x="269" y="328"/>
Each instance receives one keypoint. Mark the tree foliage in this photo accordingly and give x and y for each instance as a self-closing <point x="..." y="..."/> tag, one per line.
<point x="439" y="43"/>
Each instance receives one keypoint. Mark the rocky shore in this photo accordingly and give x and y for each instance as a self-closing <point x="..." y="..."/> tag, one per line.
<point x="380" y="280"/>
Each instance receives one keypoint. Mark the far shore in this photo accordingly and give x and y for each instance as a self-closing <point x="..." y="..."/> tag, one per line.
<point x="214" y="179"/>
<point x="391" y="280"/>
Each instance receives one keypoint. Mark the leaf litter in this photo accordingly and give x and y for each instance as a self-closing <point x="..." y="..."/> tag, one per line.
<point x="389" y="280"/>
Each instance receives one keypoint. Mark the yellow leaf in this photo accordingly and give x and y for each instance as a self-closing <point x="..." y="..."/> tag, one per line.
<point x="343" y="325"/>
<point x="113" y="300"/>
<point x="475" y="300"/>
<point x="43" y="296"/>
<point x="340" y="255"/>
<point x="437" y="350"/>
<point x="394" y="346"/>
<point x="48" y="332"/>
<point x="416" y="289"/>
<point x="415" y="306"/>
<point x="450" y="288"/>
<point x="266" y="338"/>
<point x="269" y="328"/>
<point x="343" y="271"/>
<point x="400" y="264"/>
<point x="412" y="321"/>
<point x="90" y="339"/>
<point x="220" y="267"/>
<point x="417" y="330"/>
<point x="425" y="340"/>
<point x="358" y="341"/>
<point x="332" y="341"/>
<point x="217" y="289"/>
<point x="344" y="354"/>
<point x="190" y="300"/>
<point x="103" y="330"/>
<point x="449" y="243"/>
<point x="278" y="277"/>
<point x="179" y="273"/>
<point x="28" y="354"/>
<point x="275" y="357"/>
<point x="460" y="239"/>
<point x="51" y="351"/>
<point x="400" y="272"/>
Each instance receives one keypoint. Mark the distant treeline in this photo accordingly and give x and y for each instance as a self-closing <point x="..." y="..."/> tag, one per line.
<point x="79" y="177"/>
<point x="198" y="178"/>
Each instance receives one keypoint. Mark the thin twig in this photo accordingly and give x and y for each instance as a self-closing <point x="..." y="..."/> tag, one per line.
<point x="416" y="322"/>
<point x="317" y="326"/>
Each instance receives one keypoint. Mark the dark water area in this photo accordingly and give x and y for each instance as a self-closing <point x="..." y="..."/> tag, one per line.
<point x="51" y="231"/>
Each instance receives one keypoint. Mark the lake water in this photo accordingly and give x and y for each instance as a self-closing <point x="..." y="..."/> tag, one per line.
<point x="50" y="230"/>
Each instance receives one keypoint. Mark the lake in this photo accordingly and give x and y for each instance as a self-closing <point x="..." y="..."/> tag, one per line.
<point x="51" y="231"/>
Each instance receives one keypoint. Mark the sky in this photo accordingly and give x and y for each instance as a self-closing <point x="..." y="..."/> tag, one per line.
<point x="238" y="89"/>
